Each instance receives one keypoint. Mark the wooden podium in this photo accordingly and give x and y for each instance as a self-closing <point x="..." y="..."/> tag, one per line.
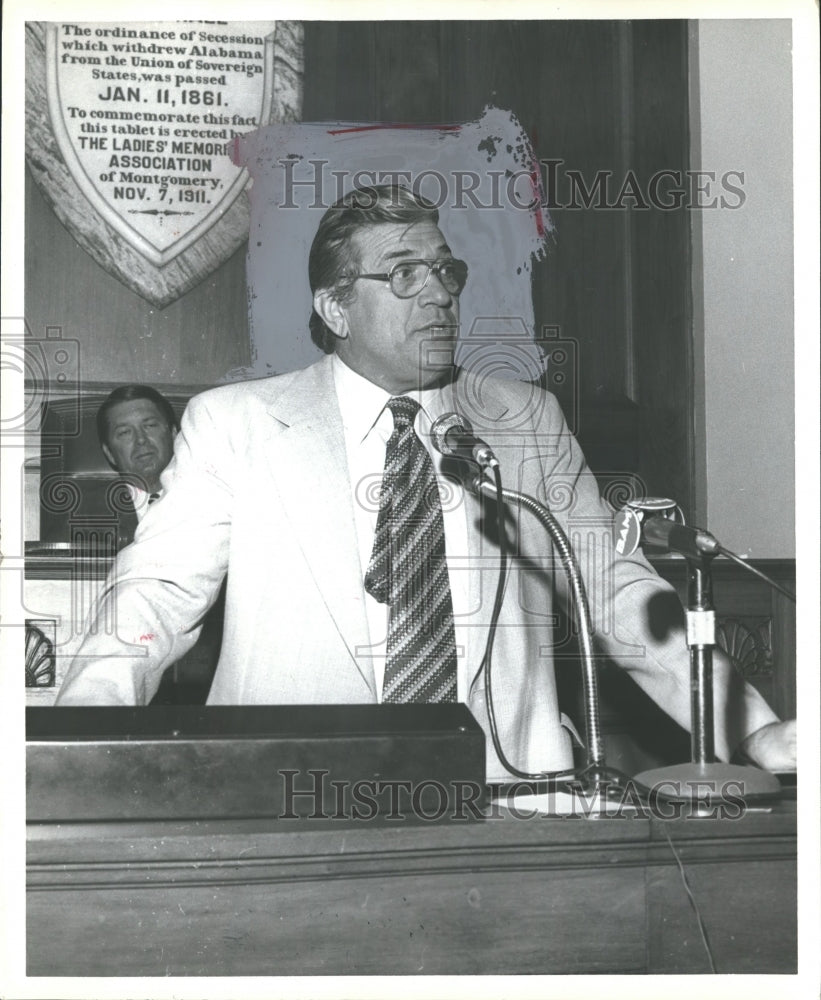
<point x="493" y="895"/>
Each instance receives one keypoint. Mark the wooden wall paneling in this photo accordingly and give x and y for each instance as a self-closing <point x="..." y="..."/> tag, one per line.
<point x="497" y="64"/>
<point x="580" y="288"/>
<point x="407" y="71"/>
<point x="339" y="74"/>
<point x="747" y="933"/>
<point x="321" y="47"/>
<point x="660" y="264"/>
<point x="729" y="914"/>
<point x="785" y="680"/>
<point x="502" y="896"/>
<point x="467" y="924"/>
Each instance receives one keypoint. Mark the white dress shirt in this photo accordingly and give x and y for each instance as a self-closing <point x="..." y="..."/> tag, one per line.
<point x="141" y="499"/>
<point x="367" y="426"/>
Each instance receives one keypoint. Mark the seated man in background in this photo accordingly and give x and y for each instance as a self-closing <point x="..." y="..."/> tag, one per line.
<point x="136" y="427"/>
<point x="341" y="594"/>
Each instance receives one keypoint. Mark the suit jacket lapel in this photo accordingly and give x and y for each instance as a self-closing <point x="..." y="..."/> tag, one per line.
<point x="309" y="467"/>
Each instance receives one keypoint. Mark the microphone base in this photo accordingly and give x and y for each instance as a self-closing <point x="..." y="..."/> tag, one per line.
<point x="710" y="783"/>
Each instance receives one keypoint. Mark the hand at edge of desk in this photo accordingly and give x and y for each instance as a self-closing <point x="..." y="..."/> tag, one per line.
<point x="772" y="747"/>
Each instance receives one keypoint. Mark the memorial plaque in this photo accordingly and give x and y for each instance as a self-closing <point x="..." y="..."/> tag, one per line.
<point x="128" y="125"/>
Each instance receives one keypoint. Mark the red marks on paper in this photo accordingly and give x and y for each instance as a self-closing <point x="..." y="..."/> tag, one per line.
<point x="394" y="125"/>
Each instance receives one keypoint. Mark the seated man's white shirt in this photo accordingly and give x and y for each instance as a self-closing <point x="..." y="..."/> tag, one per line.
<point x="367" y="426"/>
<point x="141" y="500"/>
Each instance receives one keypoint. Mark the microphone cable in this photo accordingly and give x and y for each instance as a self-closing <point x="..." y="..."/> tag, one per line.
<point x="486" y="665"/>
<point x="702" y="929"/>
<point x="756" y="572"/>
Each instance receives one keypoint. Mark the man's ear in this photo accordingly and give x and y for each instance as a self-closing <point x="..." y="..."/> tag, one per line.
<point x="331" y="311"/>
<point x="109" y="456"/>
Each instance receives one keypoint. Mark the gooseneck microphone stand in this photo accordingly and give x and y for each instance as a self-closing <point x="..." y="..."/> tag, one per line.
<point x="594" y="772"/>
<point x="703" y="775"/>
<point x="452" y="436"/>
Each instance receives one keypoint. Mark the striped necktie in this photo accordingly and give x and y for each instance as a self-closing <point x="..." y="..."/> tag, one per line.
<point x="408" y="570"/>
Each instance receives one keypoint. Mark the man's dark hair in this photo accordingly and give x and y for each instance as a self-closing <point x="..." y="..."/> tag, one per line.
<point x="333" y="262"/>
<point x="125" y="394"/>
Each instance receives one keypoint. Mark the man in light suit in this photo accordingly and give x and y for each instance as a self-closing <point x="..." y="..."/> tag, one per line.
<point x="278" y="480"/>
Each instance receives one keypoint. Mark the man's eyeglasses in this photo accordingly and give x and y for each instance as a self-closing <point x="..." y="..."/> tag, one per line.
<point x="408" y="277"/>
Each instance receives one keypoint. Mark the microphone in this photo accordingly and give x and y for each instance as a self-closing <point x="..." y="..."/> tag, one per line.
<point x="631" y="528"/>
<point x="453" y="437"/>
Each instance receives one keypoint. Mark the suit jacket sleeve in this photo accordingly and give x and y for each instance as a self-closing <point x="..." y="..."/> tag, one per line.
<point x="150" y="609"/>
<point x="638" y="618"/>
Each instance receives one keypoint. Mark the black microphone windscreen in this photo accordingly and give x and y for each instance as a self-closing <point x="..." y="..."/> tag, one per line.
<point x="442" y="426"/>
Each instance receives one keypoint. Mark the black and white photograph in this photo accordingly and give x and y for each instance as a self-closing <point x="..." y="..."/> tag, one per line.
<point x="410" y="500"/>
